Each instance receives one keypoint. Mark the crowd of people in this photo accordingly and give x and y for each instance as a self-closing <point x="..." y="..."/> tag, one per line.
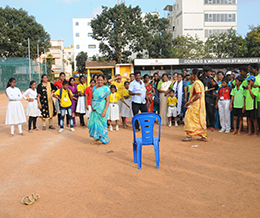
<point x="197" y="99"/>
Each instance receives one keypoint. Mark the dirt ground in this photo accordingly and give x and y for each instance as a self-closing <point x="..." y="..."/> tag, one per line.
<point x="220" y="178"/>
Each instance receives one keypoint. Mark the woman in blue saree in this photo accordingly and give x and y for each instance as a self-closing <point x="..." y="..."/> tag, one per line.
<point x="97" y="123"/>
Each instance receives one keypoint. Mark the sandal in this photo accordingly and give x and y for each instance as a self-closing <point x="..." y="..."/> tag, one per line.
<point x="26" y="201"/>
<point x="51" y="127"/>
<point x="202" y="139"/>
<point x="29" y="200"/>
<point x="36" y="129"/>
<point x="36" y="196"/>
<point x="44" y="128"/>
<point x="186" y="139"/>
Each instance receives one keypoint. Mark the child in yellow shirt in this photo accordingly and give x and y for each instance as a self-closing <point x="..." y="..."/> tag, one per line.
<point x="114" y="108"/>
<point x="172" y="109"/>
<point x="64" y="95"/>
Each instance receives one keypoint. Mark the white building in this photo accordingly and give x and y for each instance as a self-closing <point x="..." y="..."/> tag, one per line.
<point x="56" y="51"/>
<point x="62" y="58"/>
<point x="68" y="58"/>
<point x="82" y="39"/>
<point x="202" y="17"/>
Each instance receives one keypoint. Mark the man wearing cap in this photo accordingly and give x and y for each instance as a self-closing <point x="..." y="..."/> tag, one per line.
<point x="210" y="85"/>
<point x="228" y="75"/>
<point x="251" y="98"/>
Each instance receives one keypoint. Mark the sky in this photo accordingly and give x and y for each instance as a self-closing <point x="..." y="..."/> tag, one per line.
<point x="56" y="15"/>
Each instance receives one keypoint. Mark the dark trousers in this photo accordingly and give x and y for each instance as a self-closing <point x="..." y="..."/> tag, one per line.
<point x="210" y="110"/>
<point x="81" y="118"/>
<point x="67" y="118"/>
<point x="32" y="120"/>
<point x="136" y="107"/>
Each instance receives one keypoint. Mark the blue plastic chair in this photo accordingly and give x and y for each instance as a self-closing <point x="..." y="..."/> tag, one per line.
<point x="146" y="121"/>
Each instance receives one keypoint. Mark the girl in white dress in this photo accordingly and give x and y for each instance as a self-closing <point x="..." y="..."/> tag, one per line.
<point x="114" y="108"/>
<point x="14" y="112"/>
<point x="33" y="111"/>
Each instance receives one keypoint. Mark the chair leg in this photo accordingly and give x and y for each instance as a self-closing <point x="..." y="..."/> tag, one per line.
<point x="157" y="155"/>
<point x="139" y="151"/>
<point x="135" y="152"/>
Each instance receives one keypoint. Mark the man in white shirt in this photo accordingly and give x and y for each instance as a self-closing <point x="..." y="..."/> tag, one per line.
<point x="138" y="91"/>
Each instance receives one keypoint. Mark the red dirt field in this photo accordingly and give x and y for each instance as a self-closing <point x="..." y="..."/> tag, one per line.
<point x="220" y="178"/>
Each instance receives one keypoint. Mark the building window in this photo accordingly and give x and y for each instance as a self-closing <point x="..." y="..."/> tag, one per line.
<point x="210" y="17"/>
<point x="193" y="29"/>
<point x="220" y="17"/>
<point x="209" y="32"/>
<point x="90" y="34"/>
<point x="223" y="2"/>
<point x="92" y="46"/>
<point x="177" y="22"/>
<point x="77" y="34"/>
<point x="77" y="46"/>
<point x="178" y="7"/>
<point x="76" y="23"/>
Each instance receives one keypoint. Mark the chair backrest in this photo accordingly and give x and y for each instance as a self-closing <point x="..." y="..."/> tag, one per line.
<point x="146" y="121"/>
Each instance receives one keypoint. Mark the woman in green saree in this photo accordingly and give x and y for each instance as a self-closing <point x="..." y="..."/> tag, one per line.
<point x="97" y="123"/>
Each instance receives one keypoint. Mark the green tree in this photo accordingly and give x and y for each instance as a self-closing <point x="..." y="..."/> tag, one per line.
<point x="188" y="47"/>
<point x="49" y="61"/>
<point x="158" y="41"/>
<point x="98" y="58"/>
<point x="16" y="27"/>
<point x="226" y="45"/>
<point x="72" y="65"/>
<point x="252" y="41"/>
<point x="81" y="61"/>
<point x="120" y="31"/>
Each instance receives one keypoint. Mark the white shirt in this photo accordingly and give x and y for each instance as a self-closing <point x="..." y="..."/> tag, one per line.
<point x="13" y="93"/>
<point x="31" y="94"/>
<point x="136" y="87"/>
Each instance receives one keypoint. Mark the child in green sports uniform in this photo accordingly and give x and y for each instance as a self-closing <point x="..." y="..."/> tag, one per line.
<point x="237" y="103"/>
<point x="251" y="97"/>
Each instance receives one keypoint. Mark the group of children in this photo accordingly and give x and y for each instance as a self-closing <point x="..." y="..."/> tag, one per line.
<point x="15" y="113"/>
<point x="242" y="99"/>
<point x="114" y="110"/>
<point x="85" y="100"/>
<point x="71" y="100"/>
<point x="75" y="100"/>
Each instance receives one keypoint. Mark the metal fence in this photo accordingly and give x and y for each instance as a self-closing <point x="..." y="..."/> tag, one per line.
<point x="22" y="69"/>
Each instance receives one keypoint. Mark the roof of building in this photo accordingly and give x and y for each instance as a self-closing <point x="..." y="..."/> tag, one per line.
<point x="168" y="8"/>
<point x="100" y="64"/>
